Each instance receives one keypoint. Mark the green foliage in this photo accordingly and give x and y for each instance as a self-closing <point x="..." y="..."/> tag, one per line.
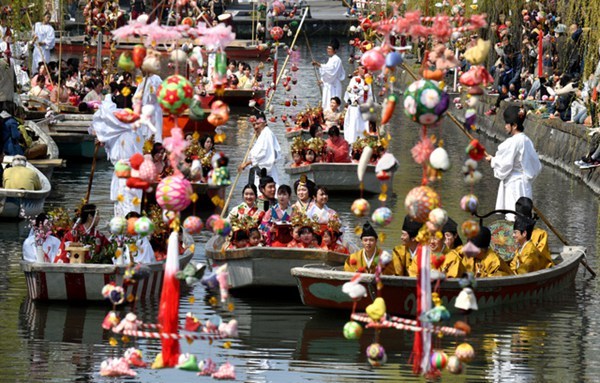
<point x="18" y="20"/>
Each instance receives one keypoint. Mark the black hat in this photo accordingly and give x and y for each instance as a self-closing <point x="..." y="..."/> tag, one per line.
<point x="524" y="224"/>
<point x="335" y="44"/>
<point x="514" y="115"/>
<point x="524" y="206"/>
<point x="368" y="231"/>
<point x="452" y="227"/>
<point x="483" y="239"/>
<point x="264" y="179"/>
<point x="411" y="227"/>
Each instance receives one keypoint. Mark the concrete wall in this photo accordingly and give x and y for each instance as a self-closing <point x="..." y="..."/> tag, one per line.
<point x="558" y="144"/>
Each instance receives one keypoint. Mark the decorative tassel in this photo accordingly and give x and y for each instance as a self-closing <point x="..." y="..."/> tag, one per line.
<point x="168" y="315"/>
<point x="422" y="342"/>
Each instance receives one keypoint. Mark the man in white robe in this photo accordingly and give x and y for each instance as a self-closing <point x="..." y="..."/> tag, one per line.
<point x="516" y="163"/>
<point x="121" y="141"/>
<point x="358" y="92"/>
<point x="265" y="152"/>
<point x="44" y="41"/>
<point x="332" y="74"/>
<point x="149" y="86"/>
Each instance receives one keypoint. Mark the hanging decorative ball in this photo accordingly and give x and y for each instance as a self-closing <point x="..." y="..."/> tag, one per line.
<point x="454" y="365"/>
<point x="465" y="352"/>
<point x="174" y="193"/>
<point x="144" y="226"/>
<point x="360" y="207"/>
<point x="221" y="227"/>
<point x="469" y="203"/>
<point x="373" y="59"/>
<point x="420" y="201"/>
<point x="278" y="8"/>
<point x="276" y="33"/>
<point x="376" y="355"/>
<point x="438" y="218"/>
<point x="117" y="225"/>
<point x="352" y="330"/>
<point x="122" y="169"/>
<point x="148" y="171"/>
<point x="193" y="224"/>
<point x="382" y="216"/>
<point x="393" y="59"/>
<point x="219" y="113"/>
<point x="439" y="359"/>
<point x="210" y="221"/>
<point x="125" y="62"/>
<point x="470" y="228"/>
<point x="115" y="294"/>
<point x="438" y="159"/>
<point x="131" y="226"/>
<point x="425" y="102"/>
<point x="178" y="56"/>
<point x="175" y="94"/>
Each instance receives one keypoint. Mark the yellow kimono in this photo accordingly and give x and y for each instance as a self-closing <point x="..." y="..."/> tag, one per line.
<point x="491" y="265"/>
<point x="403" y="256"/>
<point x="356" y="262"/>
<point x="529" y="259"/>
<point x="539" y="237"/>
<point x="452" y="266"/>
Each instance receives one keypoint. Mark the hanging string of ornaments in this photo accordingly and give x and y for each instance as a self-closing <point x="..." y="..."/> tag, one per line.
<point x="425" y="103"/>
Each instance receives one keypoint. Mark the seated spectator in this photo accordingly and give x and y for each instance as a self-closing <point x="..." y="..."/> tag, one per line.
<point x="40" y="89"/>
<point x="527" y="258"/>
<point x="366" y="259"/>
<point x="333" y="115"/>
<point x="95" y="93"/>
<point x="50" y="247"/>
<point x="486" y="263"/>
<point x="337" y="149"/>
<point x="19" y="176"/>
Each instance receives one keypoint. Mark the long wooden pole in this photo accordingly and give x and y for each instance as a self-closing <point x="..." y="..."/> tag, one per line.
<point x="237" y="177"/>
<point x="312" y="59"/>
<point x="537" y="211"/>
<point x="91" y="180"/>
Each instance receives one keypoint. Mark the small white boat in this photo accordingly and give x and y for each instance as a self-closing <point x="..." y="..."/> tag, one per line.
<point x="83" y="282"/>
<point x="341" y="177"/>
<point x="258" y="266"/>
<point x="18" y="203"/>
<point x="52" y="159"/>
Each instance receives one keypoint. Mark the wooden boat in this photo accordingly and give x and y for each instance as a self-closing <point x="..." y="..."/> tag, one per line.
<point x="253" y="267"/>
<point x="341" y="177"/>
<point x="237" y="50"/>
<point x="18" y="203"/>
<point x="83" y="282"/>
<point x="322" y="287"/>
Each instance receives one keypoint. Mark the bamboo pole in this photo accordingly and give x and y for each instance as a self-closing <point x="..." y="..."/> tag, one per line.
<point x="91" y="179"/>
<point x="237" y="177"/>
<point x="537" y="211"/>
<point x="312" y="59"/>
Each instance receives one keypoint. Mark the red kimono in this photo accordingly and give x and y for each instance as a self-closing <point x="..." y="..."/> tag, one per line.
<point x="341" y="150"/>
<point x="95" y="239"/>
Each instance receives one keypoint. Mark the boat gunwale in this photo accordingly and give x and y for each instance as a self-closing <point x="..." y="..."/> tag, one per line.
<point x="571" y="256"/>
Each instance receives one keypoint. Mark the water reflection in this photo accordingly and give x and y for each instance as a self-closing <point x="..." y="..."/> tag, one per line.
<point x="283" y="341"/>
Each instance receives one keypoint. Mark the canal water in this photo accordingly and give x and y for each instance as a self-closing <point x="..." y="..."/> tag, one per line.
<point x="283" y="341"/>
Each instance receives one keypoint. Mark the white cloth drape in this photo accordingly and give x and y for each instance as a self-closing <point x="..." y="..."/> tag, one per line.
<point x="150" y="87"/>
<point x="265" y="152"/>
<point x="332" y="74"/>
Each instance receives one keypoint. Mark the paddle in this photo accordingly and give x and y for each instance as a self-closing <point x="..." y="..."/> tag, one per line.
<point x="91" y="180"/>
<point x="312" y="59"/>
<point x="237" y="177"/>
<point x="537" y="211"/>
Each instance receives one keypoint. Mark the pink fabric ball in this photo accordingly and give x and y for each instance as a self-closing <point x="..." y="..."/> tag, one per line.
<point x="373" y="59"/>
<point x="148" y="170"/>
<point x="193" y="224"/>
<point x="174" y="193"/>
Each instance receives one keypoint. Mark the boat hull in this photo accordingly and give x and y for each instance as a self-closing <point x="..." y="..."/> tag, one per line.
<point x="259" y="267"/>
<point x="18" y="204"/>
<point x="341" y="177"/>
<point x="323" y="288"/>
<point x="84" y="282"/>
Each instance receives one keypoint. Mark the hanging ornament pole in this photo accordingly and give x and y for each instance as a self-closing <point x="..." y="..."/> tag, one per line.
<point x="237" y="177"/>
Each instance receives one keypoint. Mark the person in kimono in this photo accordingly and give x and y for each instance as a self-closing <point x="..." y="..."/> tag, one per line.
<point x="332" y="74"/>
<point x="516" y="163"/>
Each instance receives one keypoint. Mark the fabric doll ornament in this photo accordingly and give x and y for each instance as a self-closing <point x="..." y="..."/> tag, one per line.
<point x="151" y="62"/>
<point x="114" y="367"/>
<point x="138" y="54"/>
<point x="125" y="62"/>
<point x="135" y="181"/>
